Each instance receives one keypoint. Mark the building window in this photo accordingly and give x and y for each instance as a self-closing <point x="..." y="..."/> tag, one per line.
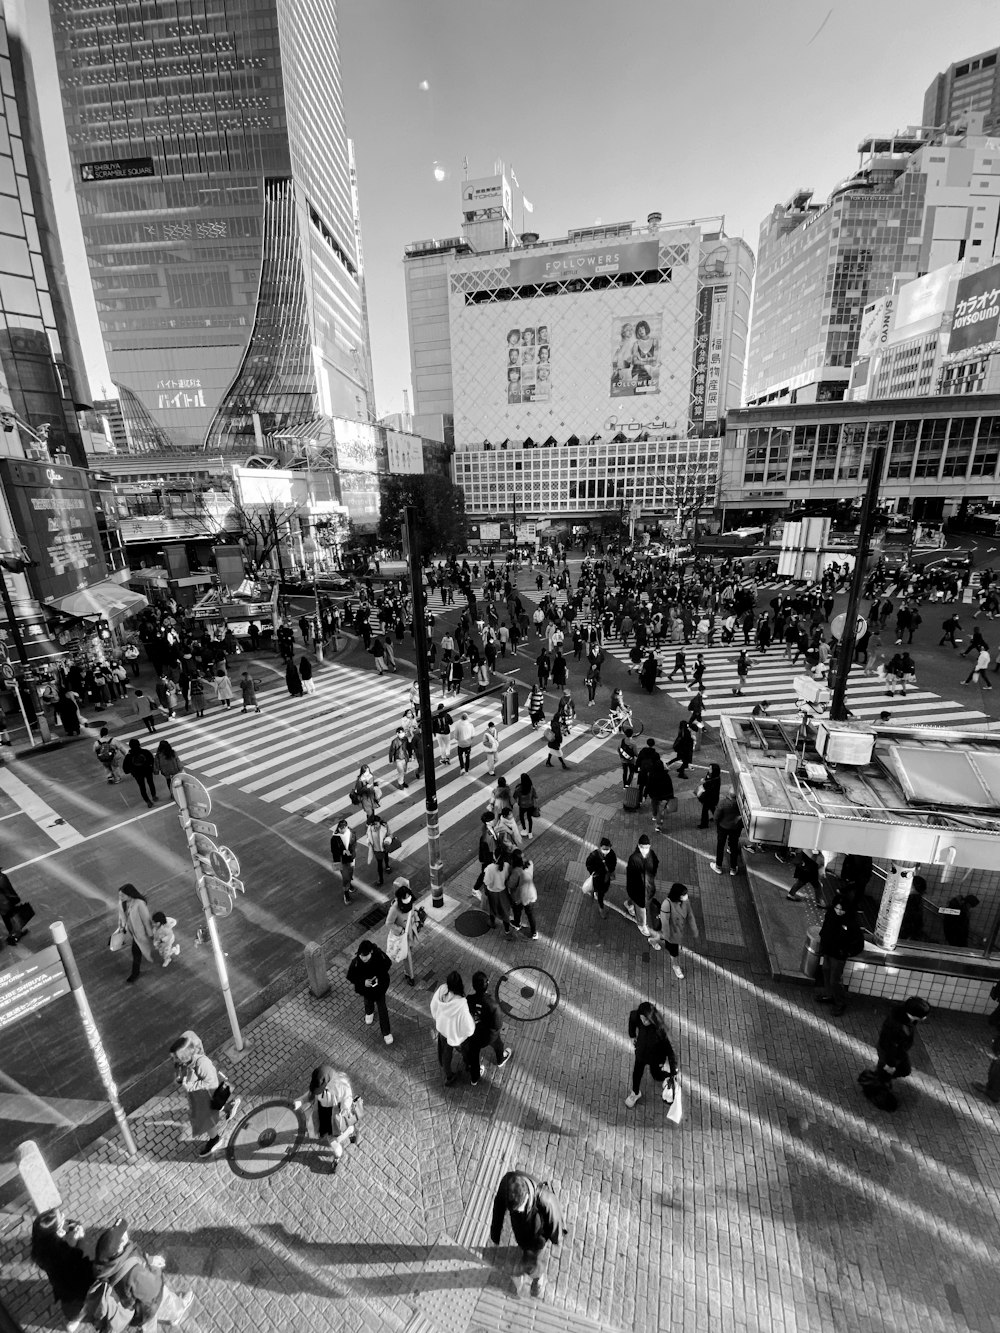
<point x="904" y="448"/>
<point x="984" y="463"/>
<point x="932" y="439"/>
<point x="960" y="438"/>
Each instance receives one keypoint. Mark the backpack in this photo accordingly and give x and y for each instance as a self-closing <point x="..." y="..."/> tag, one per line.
<point x="107" y="1312"/>
<point x="105" y="752"/>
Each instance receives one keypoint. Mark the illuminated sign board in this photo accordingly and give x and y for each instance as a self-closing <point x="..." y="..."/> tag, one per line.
<point x="117" y="169"/>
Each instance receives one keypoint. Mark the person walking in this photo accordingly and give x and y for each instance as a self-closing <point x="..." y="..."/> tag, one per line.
<point x="601" y="865"/>
<point x="522" y="891"/>
<point x="135" y="921"/>
<point x="653" y="1051"/>
<point x="489" y="1027"/>
<point x="143" y="706"/>
<point x="640" y="883"/>
<point x="543" y="665"/>
<point x="491" y="744"/>
<point x="343" y="852"/>
<point x="978" y="674"/>
<point x="398" y="755"/>
<point x="380" y="844"/>
<point x="368" y="972"/>
<point x="676" y="920"/>
<point x="167" y="763"/>
<point x="728" y="827"/>
<point x="59" y="1250"/>
<point x="248" y="692"/>
<point x="140" y="764"/>
<point x="895" y="1040"/>
<point x="211" y="1103"/>
<point x="648" y="758"/>
<point x="840" y="938"/>
<point x="495" y="887"/>
<point x="628" y="755"/>
<point x="536" y="707"/>
<point x="465" y="733"/>
<point x="454" y="1026"/>
<point x="554" y="740"/>
<point x="528" y="804"/>
<point x="10" y="903"/>
<point x="708" y="793"/>
<point x="198" y="683"/>
<point x="949" y="628"/>
<point x="306" y="675"/>
<point x="293" y="681"/>
<point x="126" y="1278"/>
<point x="335" y="1110"/>
<point x="661" y="792"/>
<point x="403" y="922"/>
<point x="366" y="792"/>
<point x="110" y="754"/>
<point x="441" y="724"/>
<point x="683" y="748"/>
<point x="991" y="1088"/>
<point x="535" y="1220"/>
<point x="806" y="875"/>
<point x="223" y="686"/>
<point x="742" y="671"/>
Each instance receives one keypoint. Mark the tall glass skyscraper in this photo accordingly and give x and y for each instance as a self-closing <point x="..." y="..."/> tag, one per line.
<point x="213" y="176"/>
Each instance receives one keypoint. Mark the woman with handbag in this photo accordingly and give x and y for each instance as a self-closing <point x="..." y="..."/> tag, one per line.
<point x="522" y="891"/>
<point x="676" y="919"/>
<point x="380" y="844"/>
<point x="211" y="1103"/>
<point x="708" y="792"/>
<point x="343" y="852"/>
<point x="366" y="792"/>
<point x="554" y="740"/>
<point x="653" y="1051"/>
<point x="528" y="806"/>
<point x="403" y="923"/>
<point x="135" y="927"/>
<point x="336" y="1113"/>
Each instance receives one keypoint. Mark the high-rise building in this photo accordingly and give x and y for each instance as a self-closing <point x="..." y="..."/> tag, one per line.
<point x="914" y="204"/>
<point x="969" y="85"/>
<point x="213" y="175"/>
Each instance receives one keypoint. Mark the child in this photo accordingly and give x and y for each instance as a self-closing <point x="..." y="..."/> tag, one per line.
<point x="163" y="938"/>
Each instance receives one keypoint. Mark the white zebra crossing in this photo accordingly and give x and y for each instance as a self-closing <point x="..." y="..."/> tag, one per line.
<point x="771" y="678"/>
<point x="303" y="755"/>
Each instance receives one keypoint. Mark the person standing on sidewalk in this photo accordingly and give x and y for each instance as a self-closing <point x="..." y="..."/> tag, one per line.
<point x="335" y="1112"/>
<point x="57" y="1249"/>
<point x="640" y="883"/>
<point x="465" y="734"/>
<point x="601" y="865"/>
<point x="628" y="755"/>
<point x="495" y="888"/>
<point x="522" y="891"/>
<point x="368" y="972"/>
<point x="136" y="1280"/>
<point x="840" y="938"/>
<point x="676" y="919"/>
<point x="453" y="1025"/>
<point x="708" y="793"/>
<point x="653" y="1050"/>
<point x="728" y="827"/>
<point x="211" y="1104"/>
<point x="489" y="1026"/>
<point x="343" y="851"/>
<point x="535" y="1220"/>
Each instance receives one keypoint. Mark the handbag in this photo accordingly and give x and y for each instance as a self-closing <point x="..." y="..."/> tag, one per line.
<point x="588" y="885"/>
<point x="700" y="789"/>
<point x="390" y="843"/>
<point x="397" y="946"/>
<point x="675" y="1111"/>
<point x="118" y="940"/>
<point x="669" y="1090"/>
<point x="222" y="1093"/>
<point x="550" y="735"/>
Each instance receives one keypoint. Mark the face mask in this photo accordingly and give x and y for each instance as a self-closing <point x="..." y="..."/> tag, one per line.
<point x="643" y="851"/>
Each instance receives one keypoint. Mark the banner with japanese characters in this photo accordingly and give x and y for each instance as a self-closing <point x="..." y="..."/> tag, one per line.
<point x="977" y="311"/>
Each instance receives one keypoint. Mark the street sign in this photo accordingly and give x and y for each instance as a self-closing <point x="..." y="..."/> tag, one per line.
<point x="203" y="826"/>
<point x="236" y="886"/>
<point x="199" y="803"/>
<point x="838" y="622"/>
<point x="29" y="986"/>
<point x="8" y="671"/>
<point x="219" y="897"/>
<point x="219" y="866"/>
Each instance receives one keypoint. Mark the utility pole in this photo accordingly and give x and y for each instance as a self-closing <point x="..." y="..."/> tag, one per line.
<point x="514" y="525"/>
<point x="414" y="556"/>
<point x="848" y="642"/>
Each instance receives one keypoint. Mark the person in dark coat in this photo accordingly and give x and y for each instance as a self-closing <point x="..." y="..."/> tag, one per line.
<point x="708" y="793"/>
<point x="489" y="1025"/>
<point x="896" y="1037"/>
<point x="137" y="1279"/>
<point x="57" y="1249"/>
<point x="648" y="673"/>
<point x="683" y="748"/>
<point x="306" y="675"/>
<point x="368" y="972"/>
<point x="140" y="764"/>
<point x="343" y="853"/>
<point x="648" y="757"/>
<point x="728" y="827"/>
<point x="10" y="901"/>
<point x="535" y="1220"/>
<point x="601" y="866"/>
<point x="640" y="882"/>
<point x="543" y="664"/>
<point x="660" y="788"/>
<point x="840" y="938"/>
<point x="293" y="681"/>
<point x="653" y="1050"/>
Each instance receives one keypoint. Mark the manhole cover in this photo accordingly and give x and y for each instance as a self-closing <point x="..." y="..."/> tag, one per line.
<point x="527" y="994"/>
<point x="265" y="1140"/>
<point x="471" y="924"/>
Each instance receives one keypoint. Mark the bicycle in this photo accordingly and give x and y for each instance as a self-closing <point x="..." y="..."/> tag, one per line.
<point x="612" y="725"/>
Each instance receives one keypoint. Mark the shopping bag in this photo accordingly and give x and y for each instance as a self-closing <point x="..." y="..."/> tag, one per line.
<point x="675" y="1110"/>
<point x="588" y="885"/>
<point x="118" y="940"/>
<point x="396" y="944"/>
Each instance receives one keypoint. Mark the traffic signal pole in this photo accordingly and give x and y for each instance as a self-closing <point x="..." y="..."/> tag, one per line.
<point x="412" y="551"/>
<point x="849" y="639"/>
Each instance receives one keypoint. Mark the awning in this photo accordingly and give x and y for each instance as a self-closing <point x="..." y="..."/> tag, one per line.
<point x="106" y="598"/>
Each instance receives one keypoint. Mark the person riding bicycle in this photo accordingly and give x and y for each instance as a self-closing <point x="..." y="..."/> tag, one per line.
<point x="621" y="714"/>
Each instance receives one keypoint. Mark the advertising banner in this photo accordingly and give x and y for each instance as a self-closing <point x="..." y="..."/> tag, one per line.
<point x="876" y="325"/>
<point x="716" y="342"/>
<point x="977" y="311"/>
<point x="635" y="358"/>
<point x="529" y="365"/>
<point x="53" y="512"/>
<point x="699" y="358"/>
<point x="405" y="453"/>
<point x="536" y="266"/>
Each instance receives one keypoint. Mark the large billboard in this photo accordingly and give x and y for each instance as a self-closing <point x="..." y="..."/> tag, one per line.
<point x="405" y="453"/>
<point x="635" y="356"/>
<point x="53" y="512"/>
<point x="537" y="266"/>
<point x="529" y="364"/>
<point x="716" y="343"/>
<point x="977" y="311"/>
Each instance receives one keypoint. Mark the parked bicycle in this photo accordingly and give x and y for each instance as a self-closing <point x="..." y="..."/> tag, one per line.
<point x="616" y="722"/>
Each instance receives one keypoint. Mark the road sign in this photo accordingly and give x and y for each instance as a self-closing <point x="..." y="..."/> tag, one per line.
<point x="29" y="986"/>
<point x="203" y="826"/>
<point x="219" y="897"/>
<point x="219" y="866"/>
<point x="8" y="671"/>
<point x="838" y="622"/>
<point x="236" y="886"/>
<point x="199" y="803"/>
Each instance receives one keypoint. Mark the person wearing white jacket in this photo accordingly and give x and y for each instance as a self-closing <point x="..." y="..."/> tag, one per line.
<point x="491" y="744"/>
<point x="453" y="1023"/>
<point x="464" y="735"/>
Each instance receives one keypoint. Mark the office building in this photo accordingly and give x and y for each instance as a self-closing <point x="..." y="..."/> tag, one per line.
<point x="968" y="86"/>
<point x="915" y="204"/>
<point x="214" y="179"/>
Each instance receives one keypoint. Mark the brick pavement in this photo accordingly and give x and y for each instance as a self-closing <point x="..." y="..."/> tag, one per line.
<point x="782" y="1202"/>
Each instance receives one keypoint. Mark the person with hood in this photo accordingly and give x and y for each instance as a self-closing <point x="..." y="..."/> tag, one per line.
<point x="368" y="973"/>
<point x="224" y="688"/>
<point x="141" y="765"/>
<point x="489" y="1026"/>
<point x="454" y="1025"/>
<point x="897" y="1036"/>
<point x="601" y="865"/>
<point x="535" y="1220"/>
<point x="640" y="883"/>
<point x="708" y="793"/>
<point x="336" y="1113"/>
<point x="404" y="919"/>
<point x="653" y="1051"/>
<point x="676" y="919"/>
<point x="136" y="1280"/>
<point x="343" y="852"/>
<point x="134" y="919"/>
<point x="840" y="938"/>
<point x="57" y="1249"/>
<point x="211" y="1103"/>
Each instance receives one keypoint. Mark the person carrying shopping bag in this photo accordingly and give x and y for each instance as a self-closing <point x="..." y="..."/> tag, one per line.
<point x="211" y="1103"/>
<point x="404" y="921"/>
<point x="653" y="1051"/>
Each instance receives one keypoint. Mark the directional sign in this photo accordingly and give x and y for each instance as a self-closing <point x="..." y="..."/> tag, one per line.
<point x="219" y="866"/>
<point x="232" y="861"/>
<point x="203" y="826"/>
<point x="8" y="671"/>
<point x="838" y="622"/>
<point x="29" y="986"/>
<point x="236" y="886"/>
<point x="219" y="897"/>
<point x="199" y="803"/>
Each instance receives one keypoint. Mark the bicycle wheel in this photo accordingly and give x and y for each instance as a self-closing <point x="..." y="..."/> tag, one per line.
<point x="637" y="727"/>
<point x="603" y="729"/>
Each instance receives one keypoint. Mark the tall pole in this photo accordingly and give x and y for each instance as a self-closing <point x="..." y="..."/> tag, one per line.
<point x="849" y="639"/>
<point x="514" y="493"/>
<point x="415" y="558"/>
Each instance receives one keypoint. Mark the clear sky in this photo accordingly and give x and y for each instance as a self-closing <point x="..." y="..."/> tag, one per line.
<point x="609" y="110"/>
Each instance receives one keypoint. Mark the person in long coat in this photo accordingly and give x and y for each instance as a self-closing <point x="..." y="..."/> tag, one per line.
<point x="293" y="681"/>
<point x="205" y="1089"/>
<point x="134" y="919"/>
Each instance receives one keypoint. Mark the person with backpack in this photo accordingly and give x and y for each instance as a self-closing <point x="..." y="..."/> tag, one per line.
<point x="211" y="1103"/>
<point x="628" y="755"/>
<point x="130" y="1288"/>
<point x="441" y="724"/>
<point x="140" y="764"/>
<point x="489" y="1027"/>
<point x="336" y="1112"/>
<point x="535" y="1220"/>
<point x="111" y="754"/>
<point x="58" y="1249"/>
<point x="368" y="973"/>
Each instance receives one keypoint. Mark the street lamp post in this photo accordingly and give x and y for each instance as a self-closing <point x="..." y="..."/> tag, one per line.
<point x="849" y="638"/>
<point x="414" y="556"/>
